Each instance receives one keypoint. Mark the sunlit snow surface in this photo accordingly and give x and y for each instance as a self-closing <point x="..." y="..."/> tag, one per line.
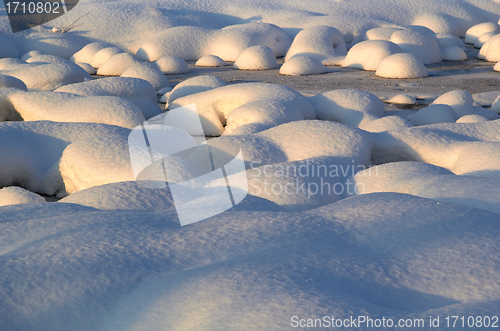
<point x="373" y="168"/>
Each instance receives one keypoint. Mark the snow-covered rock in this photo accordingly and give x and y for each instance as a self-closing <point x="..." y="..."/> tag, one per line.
<point x="47" y="76"/>
<point x="139" y="91"/>
<point x="87" y="67"/>
<point x="471" y="119"/>
<point x="303" y="65"/>
<point x="368" y="54"/>
<point x="324" y="43"/>
<point x="385" y="124"/>
<point x="210" y="61"/>
<point x="87" y="53"/>
<point x="30" y="54"/>
<point x="446" y="40"/>
<point x="117" y="64"/>
<point x="463" y="104"/>
<point x="170" y="65"/>
<point x="103" y="55"/>
<point x="402" y="65"/>
<point x="66" y="107"/>
<point x="351" y="107"/>
<point x="381" y="33"/>
<point x="427" y="181"/>
<point x="484" y="38"/>
<point x="454" y="53"/>
<point x="226" y="43"/>
<point x="490" y="51"/>
<point x="425" y="47"/>
<point x="473" y="33"/>
<point x="194" y="85"/>
<point x="149" y="73"/>
<point x="402" y="99"/>
<point x="433" y="114"/>
<point x="215" y="105"/>
<point x="14" y="195"/>
<point x="13" y="82"/>
<point x="441" y="23"/>
<point x="256" y="58"/>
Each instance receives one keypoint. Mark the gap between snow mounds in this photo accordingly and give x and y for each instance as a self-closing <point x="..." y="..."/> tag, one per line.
<point x="382" y="254"/>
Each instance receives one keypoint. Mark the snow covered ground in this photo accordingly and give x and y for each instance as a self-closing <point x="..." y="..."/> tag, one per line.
<point x="368" y="192"/>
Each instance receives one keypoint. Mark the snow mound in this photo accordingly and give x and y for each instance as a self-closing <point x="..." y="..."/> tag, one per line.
<point x="473" y="33"/>
<point x="490" y="51"/>
<point x="38" y="163"/>
<point x="483" y="39"/>
<point x="194" y="85"/>
<point x="402" y="65"/>
<point x="496" y="67"/>
<point x="425" y="47"/>
<point x="442" y="23"/>
<point x="66" y="107"/>
<point x="86" y="54"/>
<point x="446" y="40"/>
<point x="323" y="43"/>
<point x="149" y="73"/>
<point x="303" y="65"/>
<point x="87" y="67"/>
<point x="117" y="64"/>
<point x="351" y="107"/>
<point x="427" y="181"/>
<point x="9" y="49"/>
<point x="47" y="76"/>
<point x="104" y="55"/>
<point x="463" y="104"/>
<point x="256" y="58"/>
<point x="139" y="91"/>
<point x="30" y="54"/>
<point x="381" y="33"/>
<point x="191" y="43"/>
<point x="215" y="105"/>
<point x="466" y="148"/>
<point x="454" y="53"/>
<point x="14" y="195"/>
<point x="385" y="124"/>
<point x="471" y="119"/>
<point x="402" y="99"/>
<point x="368" y="54"/>
<point x="433" y="114"/>
<point x="210" y="61"/>
<point x="170" y="65"/>
<point x="9" y="81"/>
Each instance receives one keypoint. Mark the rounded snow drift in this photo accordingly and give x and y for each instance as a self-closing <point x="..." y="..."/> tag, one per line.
<point x="491" y="50"/>
<point x="210" y="61"/>
<point x="171" y="65"/>
<point x="454" y="53"/>
<point x="302" y="65"/>
<point x="472" y="119"/>
<point x="149" y="73"/>
<point x="14" y="195"/>
<point x="433" y="114"/>
<point x="256" y="58"/>
<point x="368" y="54"/>
<point x="425" y="47"/>
<point x="440" y="23"/>
<point x="472" y="35"/>
<point x="402" y="65"/>
<point x="483" y="38"/>
<point x="116" y="65"/>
